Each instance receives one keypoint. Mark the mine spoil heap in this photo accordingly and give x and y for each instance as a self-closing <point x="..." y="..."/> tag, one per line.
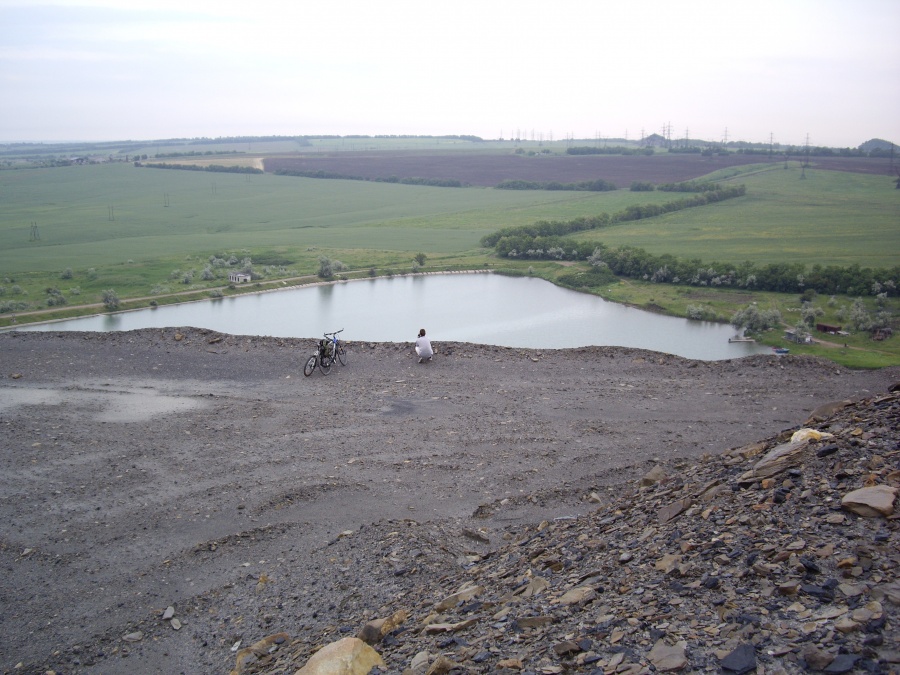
<point x="775" y="557"/>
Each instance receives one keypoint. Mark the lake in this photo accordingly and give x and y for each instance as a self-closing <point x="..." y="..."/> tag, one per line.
<point x="462" y="307"/>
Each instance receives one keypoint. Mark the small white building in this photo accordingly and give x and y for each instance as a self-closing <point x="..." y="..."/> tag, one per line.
<point x="238" y="277"/>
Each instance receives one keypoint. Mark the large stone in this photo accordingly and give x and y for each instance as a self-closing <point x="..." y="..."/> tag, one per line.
<point x="843" y="663"/>
<point x="778" y="459"/>
<point x="667" y="657"/>
<point x="816" y="657"/>
<point x="462" y="595"/>
<point x="673" y="510"/>
<point x="441" y="666"/>
<point x="419" y="664"/>
<point x="373" y="632"/>
<point x="349" y="656"/>
<point x="741" y="660"/>
<point x="578" y="595"/>
<point x="826" y="410"/>
<point x="653" y="476"/>
<point x="871" y="502"/>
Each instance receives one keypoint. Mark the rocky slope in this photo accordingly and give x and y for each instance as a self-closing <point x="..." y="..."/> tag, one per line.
<point x="776" y="557"/>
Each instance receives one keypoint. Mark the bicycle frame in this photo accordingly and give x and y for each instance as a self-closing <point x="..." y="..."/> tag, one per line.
<point x="332" y="337"/>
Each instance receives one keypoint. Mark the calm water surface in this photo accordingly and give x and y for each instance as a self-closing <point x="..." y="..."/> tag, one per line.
<point x="479" y="308"/>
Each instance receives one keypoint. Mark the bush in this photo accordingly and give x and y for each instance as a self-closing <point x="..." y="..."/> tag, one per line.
<point x="12" y="306"/>
<point x="110" y="299"/>
<point x="66" y="273"/>
<point x="753" y="319"/>
<point x="326" y="268"/>
<point x="697" y="312"/>
<point x="55" y="298"/>
<point x="600" y="275"/>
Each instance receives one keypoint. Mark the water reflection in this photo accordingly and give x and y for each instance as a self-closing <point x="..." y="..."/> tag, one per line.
<point x="479" y="308"/>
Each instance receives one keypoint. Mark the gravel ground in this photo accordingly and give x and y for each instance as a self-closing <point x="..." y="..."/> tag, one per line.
<point x="188" y="469"/>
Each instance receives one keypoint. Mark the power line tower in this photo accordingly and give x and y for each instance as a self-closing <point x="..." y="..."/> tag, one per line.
<point x="805" y="159"/>
<point x="35" y="235"/>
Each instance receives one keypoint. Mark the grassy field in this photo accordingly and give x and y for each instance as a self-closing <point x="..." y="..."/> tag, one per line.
<point x="829" y="218"/>
<point x="140" y="230"/>
<point x="89" y="216"/>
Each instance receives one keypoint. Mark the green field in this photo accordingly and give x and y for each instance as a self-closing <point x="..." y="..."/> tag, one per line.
<point x="90" y="216"/>
<point x="827" y="218"/>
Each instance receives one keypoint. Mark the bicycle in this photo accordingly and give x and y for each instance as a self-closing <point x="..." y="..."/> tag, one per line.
<point x="328" y="350"/>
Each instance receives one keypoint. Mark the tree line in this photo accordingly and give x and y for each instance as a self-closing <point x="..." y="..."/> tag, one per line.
<point x="213" y="168"/>
<point x="318" y="173"/>
<point x="611" y="150"/>
<point x="510" y="238"/>
<point x="548" y="240"/>
<point x="598" y="185"/>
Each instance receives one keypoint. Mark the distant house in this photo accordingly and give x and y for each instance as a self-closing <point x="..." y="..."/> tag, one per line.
<point x="238" y="277"/>
<point x="793" y="336"/>
<point x="828" y="328"/>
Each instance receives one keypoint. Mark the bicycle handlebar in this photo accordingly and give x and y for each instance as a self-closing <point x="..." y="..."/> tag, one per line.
<point x="334" y="333"/>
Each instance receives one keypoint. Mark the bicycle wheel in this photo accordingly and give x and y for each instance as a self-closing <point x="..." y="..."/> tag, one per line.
<point x="325" y="364"/>
<point x="310" y="365"/>
<point x="341" y="354"/>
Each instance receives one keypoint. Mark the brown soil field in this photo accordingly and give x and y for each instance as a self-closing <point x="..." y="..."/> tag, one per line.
<point x="487" y="170"/>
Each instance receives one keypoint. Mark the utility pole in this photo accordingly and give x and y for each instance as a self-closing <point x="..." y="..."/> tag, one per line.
<point x="805" y="159"/>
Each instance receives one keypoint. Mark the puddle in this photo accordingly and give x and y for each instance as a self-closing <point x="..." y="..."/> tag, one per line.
<point x="115" y="405"/>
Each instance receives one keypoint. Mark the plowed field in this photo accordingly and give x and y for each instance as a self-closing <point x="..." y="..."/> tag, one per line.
<point x="488" y="170"/>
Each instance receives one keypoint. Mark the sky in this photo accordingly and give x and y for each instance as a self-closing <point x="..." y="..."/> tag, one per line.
<point x="826" y="72"/>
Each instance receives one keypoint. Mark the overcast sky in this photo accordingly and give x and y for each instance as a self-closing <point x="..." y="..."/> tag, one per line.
<point x="149" y="69"/>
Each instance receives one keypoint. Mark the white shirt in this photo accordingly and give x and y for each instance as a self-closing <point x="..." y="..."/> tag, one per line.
<point x="423" y="347"/>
